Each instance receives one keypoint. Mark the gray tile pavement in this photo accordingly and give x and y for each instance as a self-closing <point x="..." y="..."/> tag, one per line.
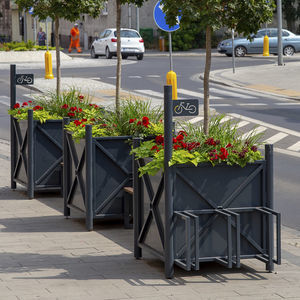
<point x="45" y="256"/>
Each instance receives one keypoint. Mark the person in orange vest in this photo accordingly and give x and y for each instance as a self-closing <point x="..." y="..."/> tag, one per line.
<point x="74" y="39"/>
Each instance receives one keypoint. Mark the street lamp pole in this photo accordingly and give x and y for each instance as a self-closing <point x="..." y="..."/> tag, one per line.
<point x="279" y="33"/>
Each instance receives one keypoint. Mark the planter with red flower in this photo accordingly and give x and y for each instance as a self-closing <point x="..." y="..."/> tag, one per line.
<point x="37" y="130"/>
<point x="97" y="160"/>
<point x="219" y="202"/>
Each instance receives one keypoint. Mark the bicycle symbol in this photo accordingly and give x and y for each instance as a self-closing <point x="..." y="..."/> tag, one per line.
<point x="190" y="108"/>
<point x="24" y="79"/>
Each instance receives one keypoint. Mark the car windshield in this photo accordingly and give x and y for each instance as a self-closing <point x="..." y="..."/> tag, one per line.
<point x="128" y="34"/>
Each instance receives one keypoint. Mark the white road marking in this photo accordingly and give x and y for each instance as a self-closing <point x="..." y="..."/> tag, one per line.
<point x="242" y="124"/>
<point x="278" y="128"/>
<point x="288" y="103"/>
<point x="295" y="147"/>
<point x="251" y="104"/>
<point x="219" y="105"/>
<point x="150" y="93"/>
<point x="4" y="103"/>
<point x="153" y="76"/>
<point x="283" y="151"/>
<point x="196" y="120"/>
<point x="225" y="119"/>
<point x="195" y="94"/>
<point x="112" y="77"/>
<point x="256" y="130"/>
<point x="139" y="77"/>
<point x="276" y="138"/>
<point x="232" y="94"/>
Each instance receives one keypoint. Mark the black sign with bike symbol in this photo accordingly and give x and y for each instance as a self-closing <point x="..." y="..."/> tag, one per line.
<point x="24" y="79"/>
<point x="187" y="107"/>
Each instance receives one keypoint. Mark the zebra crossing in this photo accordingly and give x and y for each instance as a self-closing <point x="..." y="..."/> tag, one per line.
<point x="284" y="140"/>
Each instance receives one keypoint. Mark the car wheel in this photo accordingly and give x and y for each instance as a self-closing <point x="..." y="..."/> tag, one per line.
<point x="229" y="55"/>
<point x="93" y="54"/>
<point x="124" y="56"/>
<point x="108" y="55"/>
<point x="140" y="56"/>
<point x="288" y="51"/>
<point x="240" y="51"/>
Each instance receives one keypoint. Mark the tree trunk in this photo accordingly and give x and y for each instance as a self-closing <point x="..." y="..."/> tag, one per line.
<point x="58" y="74"/>
<point x="206" y="79"/>
<point x="119" y="57"/>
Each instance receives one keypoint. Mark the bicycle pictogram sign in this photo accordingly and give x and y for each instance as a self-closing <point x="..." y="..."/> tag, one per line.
<point x="189" y="107"/>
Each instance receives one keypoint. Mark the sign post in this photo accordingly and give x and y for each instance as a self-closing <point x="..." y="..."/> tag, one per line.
<point x="160" y="20"/>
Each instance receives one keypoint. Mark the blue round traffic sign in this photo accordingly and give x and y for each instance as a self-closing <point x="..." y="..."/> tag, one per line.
<point x="160" y="19"/>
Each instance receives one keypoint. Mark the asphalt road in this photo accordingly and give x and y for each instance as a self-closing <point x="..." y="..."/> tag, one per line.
<point x="149" y="75"/>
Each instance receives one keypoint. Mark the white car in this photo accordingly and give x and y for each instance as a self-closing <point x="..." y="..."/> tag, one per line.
<point x="132" y="44"/>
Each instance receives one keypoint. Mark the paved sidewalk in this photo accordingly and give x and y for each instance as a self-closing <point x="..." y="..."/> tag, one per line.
<point x="270" y="78"/>
<point x="45" y="256"/>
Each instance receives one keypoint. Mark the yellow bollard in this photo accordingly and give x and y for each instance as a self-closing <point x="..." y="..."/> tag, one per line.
<point x="48" y="65"/>
<point x="172" y="80"/>
<point x="266" y="46"/>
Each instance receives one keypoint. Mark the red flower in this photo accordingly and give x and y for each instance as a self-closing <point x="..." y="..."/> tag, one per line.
<point x="224" y="154"/>
<point x="37" y="107"/>
<point x="154" y="147"/>
<point x="159" y="139"/>
<point x="183" y="133"/>
<point x="131" y="120"/>
<point x="215" y="157"/>
<point x="65" y="106"/>
<point x="71" y="114"/>
<point x="114" y="125"/>
<point x="139" y="123"/>
<point x="29" y="101"/>
<point x="254" y="148"/>
<point x="96" y="106"/>
<point x="210" y="141"/>
<point x="93" y="120"/>
<point x="91" y="104"/>
<point x="77" y="122"/>
<point x="83" y="120"/>
<point x="83" y="125"/>
<point x="174" y="141"/>
<point x="17" y="105"/>
<point x="176" y="147"/>
<point x="24" y="104"/>
<point x="19" y="111"/>
<point x="228" y="145"/>
<point x="104" y="125"/>
<point x="81" y="97"/>
<point x="145" y="121"/>
<point x="179" y="137"/>
<point x="73" y="108"/>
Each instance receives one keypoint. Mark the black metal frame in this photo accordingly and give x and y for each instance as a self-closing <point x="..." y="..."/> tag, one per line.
<point x="189" y="256"/>
<point x="80" y="172"/>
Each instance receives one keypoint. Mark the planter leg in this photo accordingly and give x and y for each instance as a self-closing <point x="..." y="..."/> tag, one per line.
<point x="89" y="178"/>
<point x="30" y="163"/>
<point x="126" y="200"/>
<point x="66" y="169"/>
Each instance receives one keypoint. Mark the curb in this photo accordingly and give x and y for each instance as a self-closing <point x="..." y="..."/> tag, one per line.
<point x="220" y="81"/>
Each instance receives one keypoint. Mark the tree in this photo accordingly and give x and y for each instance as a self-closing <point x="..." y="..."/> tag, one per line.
<point x="119" y="57"/>
<point x="244" y="16"/>
<point x="291" y="12"/>
<point x="61" y="9"/>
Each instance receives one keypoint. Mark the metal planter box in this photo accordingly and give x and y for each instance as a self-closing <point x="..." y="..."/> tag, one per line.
<point x="36" y="154"/>
<point x="222" y="213"/>
<point x="96" y="170"/>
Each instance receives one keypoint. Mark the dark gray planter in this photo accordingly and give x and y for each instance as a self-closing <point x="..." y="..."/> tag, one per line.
<point x="96" y="170"/>
<point x="222" y="213"/>
<point x="36" y="154"/>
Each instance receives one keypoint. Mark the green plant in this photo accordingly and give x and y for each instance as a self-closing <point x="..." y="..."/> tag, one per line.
<point x="136" y="118"/>
<point x="30" y="45"/>
<point x="20" y="112"/>
<point x="147" y="35"/>
<point x="20" y="49"/>
<point x="223" y="145"/>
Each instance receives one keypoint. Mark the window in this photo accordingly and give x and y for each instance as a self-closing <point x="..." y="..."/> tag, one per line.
<point x="260" y="34"/>
<point x="285" y="33"/>
<point x="102" y="34"/>
<point x="105" y="8"/>
<point x="128" y="34"/>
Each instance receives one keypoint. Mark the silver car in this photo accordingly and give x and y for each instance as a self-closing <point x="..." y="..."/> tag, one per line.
<point x="243" y="46"/>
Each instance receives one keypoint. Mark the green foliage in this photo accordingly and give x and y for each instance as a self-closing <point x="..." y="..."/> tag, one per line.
<point x="245" y="17"/>
<point x="21" y="49"/>
<point x="147" y="35"/>
<point x="291" y="12"/>
<point x="223" y="144"/>
<point x="135" y="118"/>
<point x="22" y="46"/>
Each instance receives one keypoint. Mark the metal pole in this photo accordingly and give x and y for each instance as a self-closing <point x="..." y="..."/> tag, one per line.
<point x="138" y="209"/>
<point x="270" y="202"/>
<point x="47" y="34"/>
<point x="25" y="27"/>
<point x="129" y="15"/>
<point x="168" y="237"/>
<point x="279" y="33"/>
<point x="89" y="177"/>
<point x="13" y="138"/>
<point x="137" y="19"/>
<point x="34" y="30"/>
<point x="66" y="168"/>
<point x="170" y="51"/>
<point x="233" y="54"/>
<point x="30" y="149"/>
